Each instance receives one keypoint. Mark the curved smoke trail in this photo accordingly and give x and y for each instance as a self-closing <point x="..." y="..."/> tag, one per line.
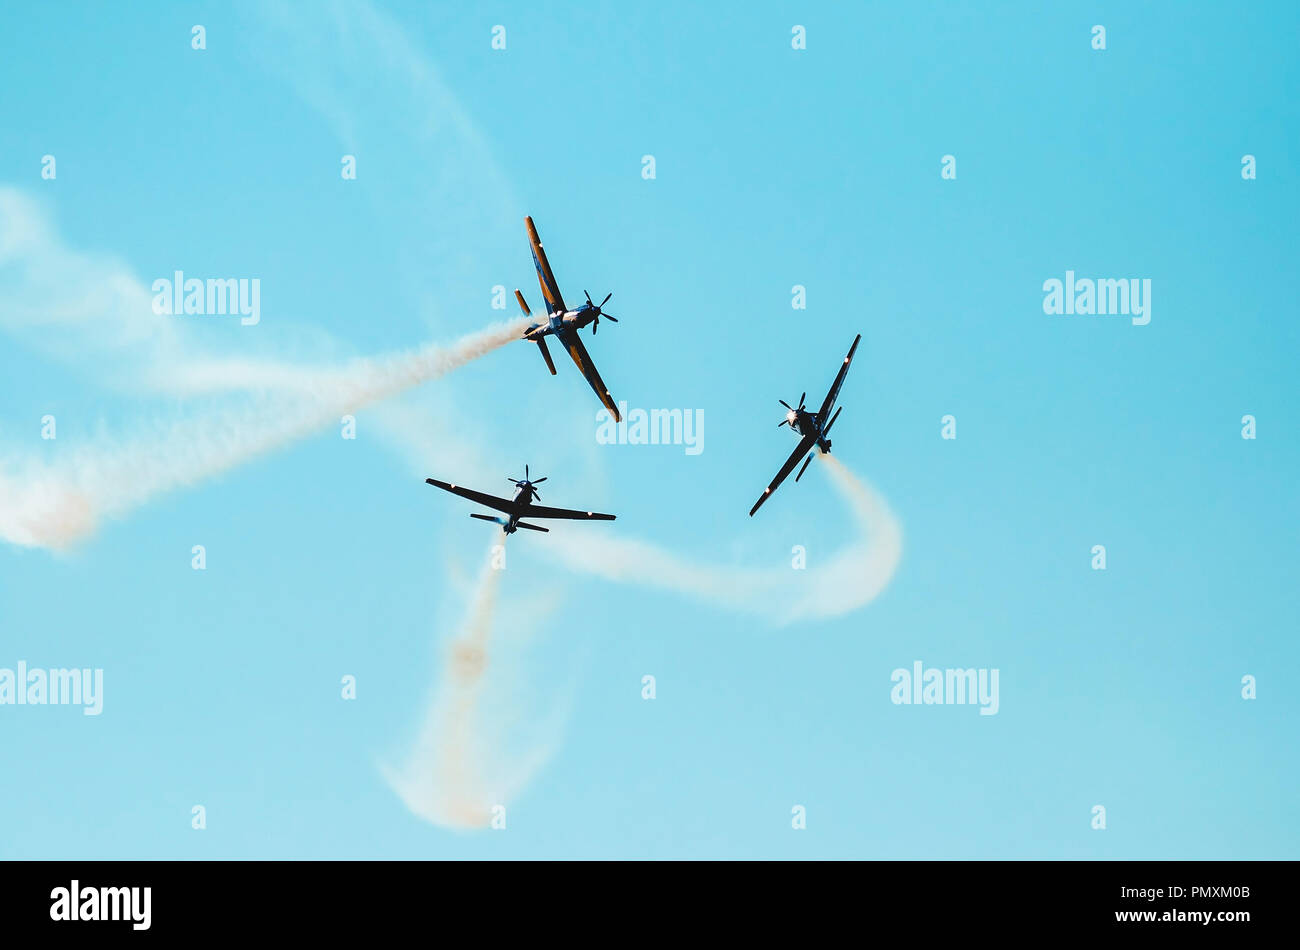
<point x="463" y="765"/>
<point x="852" y="578"/>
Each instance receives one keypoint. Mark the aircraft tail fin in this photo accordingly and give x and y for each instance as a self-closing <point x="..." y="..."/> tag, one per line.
<point x="546" y="354"/>
<point x="530" y="527"/>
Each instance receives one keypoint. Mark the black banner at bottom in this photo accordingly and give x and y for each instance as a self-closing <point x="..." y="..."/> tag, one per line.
<point x="1219" y="900"/>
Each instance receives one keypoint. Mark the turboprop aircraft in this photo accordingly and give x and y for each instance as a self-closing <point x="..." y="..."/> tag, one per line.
<point x="564" y="324"/>
<point x="520" y="506"/>
<point x="814" y="428"/>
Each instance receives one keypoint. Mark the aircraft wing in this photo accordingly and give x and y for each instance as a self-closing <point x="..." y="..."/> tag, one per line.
<point x="831" y="396"/>
<point x="491" y="501"/>
<point x="573" y="343"/>
<point x="550" y="289"/>
<point x="541" y="511"/>
<point x="803" y="448"/>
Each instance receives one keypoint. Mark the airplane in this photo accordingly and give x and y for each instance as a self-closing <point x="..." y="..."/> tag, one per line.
<point x="563" y="323"/>
<point x="813" y="427"/>
<point x="521" y="506"/>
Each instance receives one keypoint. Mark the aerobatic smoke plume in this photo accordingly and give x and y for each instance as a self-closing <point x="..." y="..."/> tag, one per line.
<point x="468" y="757"/>
<point x="54" y="505"/>
<point x="443" y="778"/>
<point x="850" y="579"/>
<point x="475" y="749"/>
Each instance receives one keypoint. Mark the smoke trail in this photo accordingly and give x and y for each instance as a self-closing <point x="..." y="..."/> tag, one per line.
<point x="853" y="577"/>
<point x="443" y="779"/>
<point x="471" y="754"/>
<point x="53" y="506"/>
<point x="463" y="763"/>
<point x="847" y="579"/>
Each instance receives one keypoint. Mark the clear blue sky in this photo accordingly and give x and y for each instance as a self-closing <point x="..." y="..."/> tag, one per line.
<point x="775" y="167"/>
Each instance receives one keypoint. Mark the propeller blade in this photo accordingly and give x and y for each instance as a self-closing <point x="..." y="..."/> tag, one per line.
<point x="607" y="296"/>
<point x="786" y="404"/>
<point x="783" y="422"/>
<point x="587" y="295"/>
<point x="802" y="397"/>
<point x="525" y="471"/>
<point x="538" y="481"/>
<point x="610" y="316"/>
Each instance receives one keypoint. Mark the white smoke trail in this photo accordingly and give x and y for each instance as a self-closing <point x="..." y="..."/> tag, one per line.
<point x="849" y="578"/>
<point x="55" y="505"/>
<point x="852" y="578"/>
<point x="443" y="779"/>
<point x="471" y="754"/>
<point x="466" y="759"/>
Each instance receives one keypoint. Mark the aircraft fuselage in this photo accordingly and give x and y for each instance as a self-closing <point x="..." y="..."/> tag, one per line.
<point x="523" y="498"/>
<point x="808" y="423"/>
<point x="569" y="319"/>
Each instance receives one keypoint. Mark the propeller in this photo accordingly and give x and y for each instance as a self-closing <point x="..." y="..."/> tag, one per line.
<point x="793" y="413"/>
<point x="595" y="323"/>
<point x="528" y="483"/>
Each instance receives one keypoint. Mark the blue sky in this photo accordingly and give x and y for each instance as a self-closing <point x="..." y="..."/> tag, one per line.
<point x="774" y="167"/>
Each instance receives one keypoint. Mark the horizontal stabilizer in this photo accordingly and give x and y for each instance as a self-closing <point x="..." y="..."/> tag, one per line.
<point x="522" y="306"/>
<point x="546" y="354"/>
<point x="827" y="430"/>
<point x="805" y="465"/>
<point x="530" y="527"/>
<point x="488" y="518"/>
